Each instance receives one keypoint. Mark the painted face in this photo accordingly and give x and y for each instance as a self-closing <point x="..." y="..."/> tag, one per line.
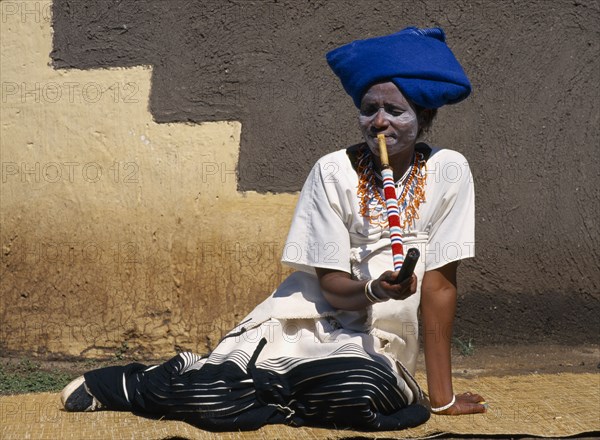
<point x="385" y="110"/>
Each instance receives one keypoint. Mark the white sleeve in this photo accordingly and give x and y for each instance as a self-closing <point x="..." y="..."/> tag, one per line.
<point x="318" y="236"/>
<point x="452" y="233"/>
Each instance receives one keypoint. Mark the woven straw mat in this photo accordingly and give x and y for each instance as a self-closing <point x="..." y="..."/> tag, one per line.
<point x="551" y="405"/>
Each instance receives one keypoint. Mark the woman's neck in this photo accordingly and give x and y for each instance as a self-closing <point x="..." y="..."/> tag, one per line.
<point x="399" y="162"/>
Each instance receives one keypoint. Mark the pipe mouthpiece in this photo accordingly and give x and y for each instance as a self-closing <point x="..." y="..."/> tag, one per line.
<point x="383" y="155"/>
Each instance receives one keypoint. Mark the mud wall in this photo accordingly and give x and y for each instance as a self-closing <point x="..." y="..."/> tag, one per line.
<point x="151" y="150"/>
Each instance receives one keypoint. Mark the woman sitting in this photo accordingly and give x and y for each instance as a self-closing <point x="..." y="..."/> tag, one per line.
<point x="336" y="344"/>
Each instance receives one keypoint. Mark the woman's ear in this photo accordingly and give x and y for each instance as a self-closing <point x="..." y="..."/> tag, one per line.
<point x="425" y="116"/>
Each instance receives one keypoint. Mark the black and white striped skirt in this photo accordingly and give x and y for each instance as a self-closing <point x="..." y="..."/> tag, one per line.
<point x="312" y="374"/>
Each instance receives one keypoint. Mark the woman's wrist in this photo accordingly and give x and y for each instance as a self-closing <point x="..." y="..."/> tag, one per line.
<point x="439" y="409"/>
<point x="371" y="295"/>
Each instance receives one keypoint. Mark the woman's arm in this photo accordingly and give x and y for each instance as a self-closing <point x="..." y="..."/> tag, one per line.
<point x="438" y="306"/>
<point x="342" y="292"/>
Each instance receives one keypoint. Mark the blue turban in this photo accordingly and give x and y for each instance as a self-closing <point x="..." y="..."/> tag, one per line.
<point x="418" y="61"/>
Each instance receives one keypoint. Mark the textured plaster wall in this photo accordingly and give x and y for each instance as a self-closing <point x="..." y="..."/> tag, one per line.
<point x="168" y="247"/>
<point x="119" y="233"/>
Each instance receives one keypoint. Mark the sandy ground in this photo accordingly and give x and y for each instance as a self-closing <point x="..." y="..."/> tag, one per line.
<point x="497" y="360"/>
<point x="502" y="360"/>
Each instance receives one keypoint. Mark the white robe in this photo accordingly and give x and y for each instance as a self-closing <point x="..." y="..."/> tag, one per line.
<point x="328" y="231"/>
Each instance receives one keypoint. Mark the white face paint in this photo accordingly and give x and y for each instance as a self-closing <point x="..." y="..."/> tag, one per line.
<point x="385" y="110"/>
